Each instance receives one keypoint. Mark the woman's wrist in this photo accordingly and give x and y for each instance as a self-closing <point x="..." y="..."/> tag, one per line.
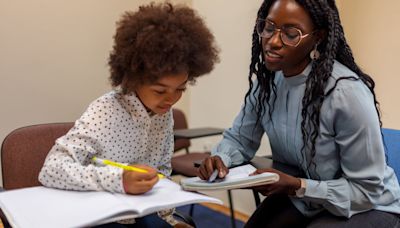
<point x="296" y="185"/>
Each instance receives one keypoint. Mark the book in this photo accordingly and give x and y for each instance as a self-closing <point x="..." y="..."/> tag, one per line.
<point x="237" y="177"/>
<point x="48" y="207"/>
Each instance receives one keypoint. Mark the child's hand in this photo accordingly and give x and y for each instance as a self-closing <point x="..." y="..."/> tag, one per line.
<point x="138" y="183"/>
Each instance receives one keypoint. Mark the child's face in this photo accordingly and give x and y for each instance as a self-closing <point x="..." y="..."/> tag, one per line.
<point x="159" y="97"/>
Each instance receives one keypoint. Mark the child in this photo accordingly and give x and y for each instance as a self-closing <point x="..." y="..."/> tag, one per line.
<point x="157" y="51"/>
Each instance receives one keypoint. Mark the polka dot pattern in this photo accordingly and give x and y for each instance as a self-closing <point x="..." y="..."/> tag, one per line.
<point x="115" y="127"/>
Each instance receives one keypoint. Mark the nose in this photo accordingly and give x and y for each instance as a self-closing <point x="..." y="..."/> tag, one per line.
<point x="172" y="98"/>
<point x="275" y="41"/>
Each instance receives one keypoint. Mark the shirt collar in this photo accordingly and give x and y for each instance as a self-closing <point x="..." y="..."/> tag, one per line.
<point x="300" y="78"/>
<point x="135" y="106"/>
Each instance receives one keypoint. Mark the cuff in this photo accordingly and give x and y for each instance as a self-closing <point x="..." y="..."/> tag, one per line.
<point x="316" y="189"/>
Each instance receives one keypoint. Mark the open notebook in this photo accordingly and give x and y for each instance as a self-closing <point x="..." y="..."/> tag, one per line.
<point x="237" y="177"/>
<point x="46" y="207"/>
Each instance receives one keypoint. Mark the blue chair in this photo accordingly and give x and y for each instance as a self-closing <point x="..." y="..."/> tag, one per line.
<point x="392" y="147"/>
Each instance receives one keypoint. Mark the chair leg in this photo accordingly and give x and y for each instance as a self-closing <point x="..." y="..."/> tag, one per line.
<point x="185" y="218"/>
<point x="256" y="198"/>
<point x="233" y="223"/>
<point x="191" y="210"/>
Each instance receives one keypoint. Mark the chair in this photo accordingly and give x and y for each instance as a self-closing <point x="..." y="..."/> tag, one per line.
<point x="24" y="150"/>
<point x="184" y="164"/>
<point x="391" y="139"/>
<point x="23" y="153"/>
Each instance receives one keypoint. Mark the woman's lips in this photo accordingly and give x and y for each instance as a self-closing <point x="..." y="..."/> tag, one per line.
<point x="271" y="56"/>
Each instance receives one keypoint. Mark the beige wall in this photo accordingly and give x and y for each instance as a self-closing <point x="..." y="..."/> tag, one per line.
<point x="373" y="32"/>
<point x="53" y="58"/>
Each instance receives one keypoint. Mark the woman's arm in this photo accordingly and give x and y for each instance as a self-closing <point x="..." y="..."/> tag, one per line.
<point x="242" y="140"/>
<point x="361" y="154"/>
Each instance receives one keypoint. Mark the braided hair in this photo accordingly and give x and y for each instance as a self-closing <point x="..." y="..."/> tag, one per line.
<point x="324" y="15"/>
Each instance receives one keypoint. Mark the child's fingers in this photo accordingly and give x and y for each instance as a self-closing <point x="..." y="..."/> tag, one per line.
<point x="137" y="176"/>
<point x="145" y="167"/>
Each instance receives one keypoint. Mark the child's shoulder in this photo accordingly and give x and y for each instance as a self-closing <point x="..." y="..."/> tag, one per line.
<point x="106" y="101"/>
<point x="107" y="98"/>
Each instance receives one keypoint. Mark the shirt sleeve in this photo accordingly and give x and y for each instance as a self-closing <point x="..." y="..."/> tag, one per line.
<point x="68" y="164"/>
<point x="361" y="153"/>
<point x="242" y="140"/>
<point x="168" y="147"/>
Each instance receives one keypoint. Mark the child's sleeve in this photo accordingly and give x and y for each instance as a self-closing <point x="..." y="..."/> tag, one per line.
<point x="68" y="164"/>
<point x="167" y="149"/>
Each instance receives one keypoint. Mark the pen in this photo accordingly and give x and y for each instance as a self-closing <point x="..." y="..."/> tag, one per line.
<point x="122" y="166"/>
<point x="213" y="176"/>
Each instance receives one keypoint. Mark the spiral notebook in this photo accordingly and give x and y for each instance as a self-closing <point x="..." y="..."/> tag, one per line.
<point x="237" y="177"/>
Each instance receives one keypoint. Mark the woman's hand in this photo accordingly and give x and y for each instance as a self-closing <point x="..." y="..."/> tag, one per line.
<point x="286" y="185"/>
<point x="137" y="183"/>
<point x="209" y="164"/>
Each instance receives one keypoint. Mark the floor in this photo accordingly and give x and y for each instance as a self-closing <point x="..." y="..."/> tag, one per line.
<point x="220" y="208"/>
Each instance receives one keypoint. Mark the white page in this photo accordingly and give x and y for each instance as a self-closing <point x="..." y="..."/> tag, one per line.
<point x="46" y="207"/>
<point x="237" y="177"/>
<point x="239" y="172"/>
<point x="43" y="207"/>
<point x="165" y="194"/>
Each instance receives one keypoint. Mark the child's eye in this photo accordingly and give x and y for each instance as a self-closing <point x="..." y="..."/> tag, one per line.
<point x="182" y="89"/>
<point x="159" y="92"/>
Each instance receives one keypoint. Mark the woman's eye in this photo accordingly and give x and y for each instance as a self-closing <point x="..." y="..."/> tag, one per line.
<point x="269" y="30"/>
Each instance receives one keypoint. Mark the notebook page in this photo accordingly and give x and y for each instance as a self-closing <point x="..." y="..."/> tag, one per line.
<point x="165" y="194"/>
<point x="43" y="207"/>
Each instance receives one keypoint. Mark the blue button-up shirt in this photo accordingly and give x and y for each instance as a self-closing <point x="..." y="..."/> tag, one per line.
<point x="351" y="174"/>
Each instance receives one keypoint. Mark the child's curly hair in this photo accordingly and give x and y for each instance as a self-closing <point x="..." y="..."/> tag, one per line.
<point x="160" y="39"/>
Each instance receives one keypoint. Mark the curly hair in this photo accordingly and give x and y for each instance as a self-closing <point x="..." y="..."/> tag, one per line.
<point x="324" y="15"/>
<point x="157" y="40"/>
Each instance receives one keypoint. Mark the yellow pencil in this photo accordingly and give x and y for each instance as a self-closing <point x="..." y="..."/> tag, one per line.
<point x="122" y="166"/>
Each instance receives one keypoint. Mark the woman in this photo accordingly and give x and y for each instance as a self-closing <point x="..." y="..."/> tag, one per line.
<point x="320" y="113"/>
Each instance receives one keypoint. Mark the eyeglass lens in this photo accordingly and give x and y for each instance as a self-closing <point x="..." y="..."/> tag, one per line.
<point x="289" y="35"/>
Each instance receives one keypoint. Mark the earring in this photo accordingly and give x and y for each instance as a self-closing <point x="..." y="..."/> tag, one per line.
<point x="314" y="54"/>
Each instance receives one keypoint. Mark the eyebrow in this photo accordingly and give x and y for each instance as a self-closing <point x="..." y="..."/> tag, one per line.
<point x="163" y="85"/>
<point x="287" y="24"/>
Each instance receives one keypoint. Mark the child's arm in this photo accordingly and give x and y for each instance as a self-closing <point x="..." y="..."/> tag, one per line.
<point x="68" y="164"/>
<point x="61" y="170"/>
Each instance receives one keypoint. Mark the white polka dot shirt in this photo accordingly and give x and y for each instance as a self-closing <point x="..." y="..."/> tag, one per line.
<point x="115" y="127"/>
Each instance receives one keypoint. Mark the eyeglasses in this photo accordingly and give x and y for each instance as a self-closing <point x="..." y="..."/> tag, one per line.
<point x="290" y="36"/>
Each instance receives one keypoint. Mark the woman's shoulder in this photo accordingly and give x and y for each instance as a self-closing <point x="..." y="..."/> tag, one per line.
<point x="340" y="70"/>
<point x="343" y="78"/>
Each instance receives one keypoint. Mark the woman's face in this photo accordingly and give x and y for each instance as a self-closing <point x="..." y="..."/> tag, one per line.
<point x="279" y="56"/>
<point x="159" y="96"/>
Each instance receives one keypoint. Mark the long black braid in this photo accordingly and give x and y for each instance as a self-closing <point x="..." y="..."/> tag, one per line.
<point x="324" y="14"/>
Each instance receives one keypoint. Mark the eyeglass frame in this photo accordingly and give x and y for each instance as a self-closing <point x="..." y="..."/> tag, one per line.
<point x="302" y="36"/>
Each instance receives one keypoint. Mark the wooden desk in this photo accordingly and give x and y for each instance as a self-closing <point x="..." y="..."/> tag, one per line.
<point x="197" y="132"/>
